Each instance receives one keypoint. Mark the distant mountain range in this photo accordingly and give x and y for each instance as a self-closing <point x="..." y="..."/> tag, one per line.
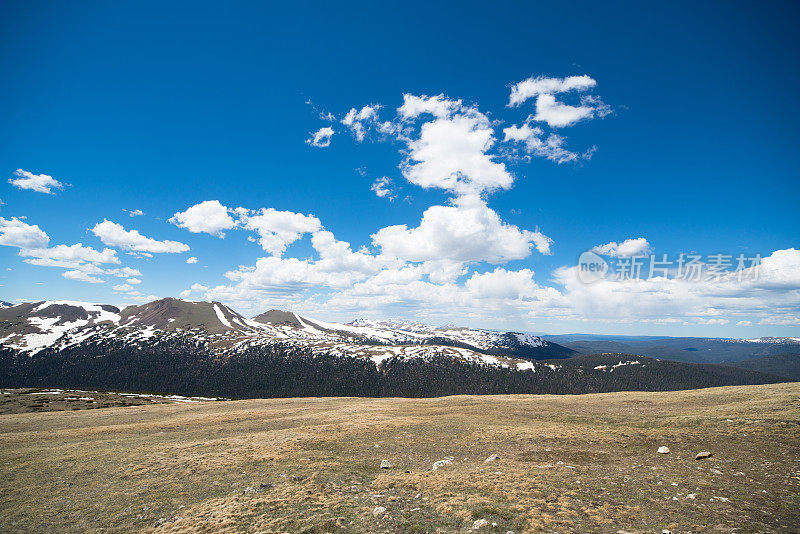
<point x="785" y="365"/>
<point x="685" y="349"/>
<point x="33" y="327"/>
<point x="206" y="348"/>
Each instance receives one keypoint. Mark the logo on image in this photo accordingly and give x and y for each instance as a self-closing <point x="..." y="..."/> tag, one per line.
<point x="591" y="267"/>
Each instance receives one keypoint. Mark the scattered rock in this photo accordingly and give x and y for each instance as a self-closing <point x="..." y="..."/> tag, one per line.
<point x="666" y="531"/>
<point x="386" y="464"/>
<point x="442" y="463"/>
<point x="692" y="496"/>
<point x="479" y="524"/>
<point x="164" y="520"/>
<point x="717" y="472"/>
<point x="378" y="511"/>
<point x="703" y="454"/>
<point x="492" y="458"/>
<point x="663" y="449"/>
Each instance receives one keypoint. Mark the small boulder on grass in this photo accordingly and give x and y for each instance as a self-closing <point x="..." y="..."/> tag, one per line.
<point x="703" y="455"/>
<point x="663" y="449"/>
<point x="386" y="464"/>
<point x="492" y="458"/>
<point x="378" y="511"/>
<point x="479" y="524"/>
<point x="442" y="463"/>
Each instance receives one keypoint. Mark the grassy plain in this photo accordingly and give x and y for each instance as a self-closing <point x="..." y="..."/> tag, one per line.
<point x="566" y="464"/>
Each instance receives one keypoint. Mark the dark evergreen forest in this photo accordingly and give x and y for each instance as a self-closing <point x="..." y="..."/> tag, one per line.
<point x="184" y="368"/>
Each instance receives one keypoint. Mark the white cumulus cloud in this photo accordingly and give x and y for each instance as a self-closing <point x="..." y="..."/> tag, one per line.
<point x="355" y="121"/>
<point x="551" y="147"/>
<point x="124" y="272"/>
<point x="196" y="288"/>
<point x="630" y="247"/>
<point x="770" y="293"/>
<point x="502" y="284"/>
<point x="115" y="235"/>
<point x="555" y="113"/>
<point x="278" y="229"/>
<point x="468" y="231"/>
<point x="17" y="233"/>
<point x="559" y="115"/>
<point x="439" y="106"/>
<point x="41" y="183"/>
<point x="453" y="154"/>
<point x="321" y="138"/>
<point x="123" y="287"/>
<point x="81" y="276"/>
<point x="209" y="217"/>
<point x="539" y="85"/>
<point x="383" y="188"/>
<point x="70" y="254"/>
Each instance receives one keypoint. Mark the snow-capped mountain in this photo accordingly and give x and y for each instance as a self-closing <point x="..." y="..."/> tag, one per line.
<point x="207" y="349"/>
<point x="772" y="340"/>
<point x="33" y="327"/>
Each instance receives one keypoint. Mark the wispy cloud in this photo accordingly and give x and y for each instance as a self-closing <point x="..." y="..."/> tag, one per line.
<point x="321" y="138"/>
<point x="41" y="183"/>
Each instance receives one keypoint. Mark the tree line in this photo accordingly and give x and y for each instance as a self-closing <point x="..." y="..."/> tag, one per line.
<point x="185" y="368"/>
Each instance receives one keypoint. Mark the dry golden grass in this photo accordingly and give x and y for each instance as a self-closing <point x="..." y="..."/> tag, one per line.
<point x="567" y="464"/>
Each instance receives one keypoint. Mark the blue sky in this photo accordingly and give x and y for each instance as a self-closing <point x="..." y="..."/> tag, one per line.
<point x="140" y="106"/>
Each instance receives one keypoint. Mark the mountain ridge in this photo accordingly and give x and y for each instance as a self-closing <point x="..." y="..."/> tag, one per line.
<point x="207" y="349"/>
<point x="31" y="327"/>
<point x="686" y="349"/>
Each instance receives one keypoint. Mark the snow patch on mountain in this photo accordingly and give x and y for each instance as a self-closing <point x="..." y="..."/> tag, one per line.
<point x="616" y="365"/>
<point x="96" y="311"/>
<point x="214" y="326"/>
<point x="221" y="316"/>
<point x="771" y="340"/>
